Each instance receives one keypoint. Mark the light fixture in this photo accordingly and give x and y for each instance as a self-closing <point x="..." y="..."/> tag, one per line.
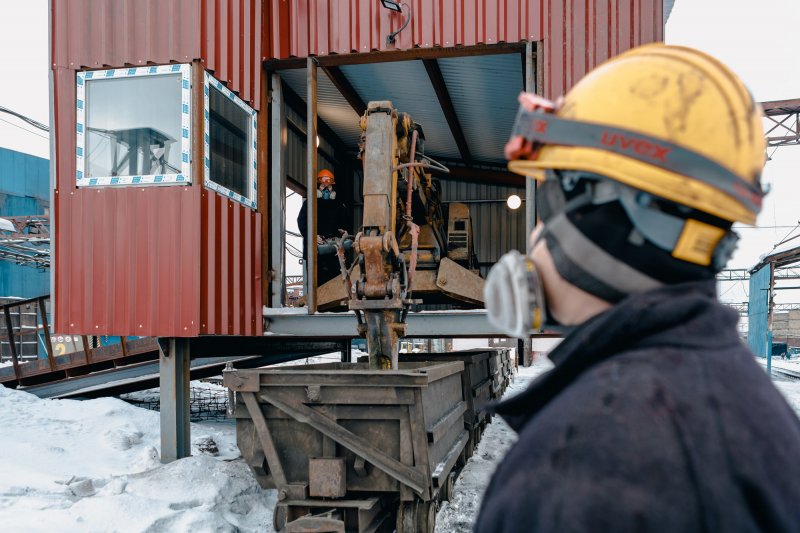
<point x="514" y="202"/>
<point x="390" y="4"/>
<point x="317" y="141"/>
<point x="397" y="7"/>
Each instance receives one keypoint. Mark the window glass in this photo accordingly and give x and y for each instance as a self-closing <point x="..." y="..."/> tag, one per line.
<point x="229" y="125"/>
<point x="230" y="143"/>
<point x="133" y="126"/>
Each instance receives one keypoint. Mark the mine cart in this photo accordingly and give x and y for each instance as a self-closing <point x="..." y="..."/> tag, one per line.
<point x="349" y="448"/>
<point x="477" y="383"/>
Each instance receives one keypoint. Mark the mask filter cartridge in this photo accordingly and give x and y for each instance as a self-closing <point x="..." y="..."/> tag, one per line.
<point x="514" y="296"/>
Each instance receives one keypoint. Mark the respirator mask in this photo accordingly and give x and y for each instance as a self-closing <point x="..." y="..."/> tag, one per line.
<point x="326" y="194"/>
<point x="514" y="296"/>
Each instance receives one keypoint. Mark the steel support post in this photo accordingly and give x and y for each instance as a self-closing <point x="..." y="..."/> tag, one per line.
<point x="530" y="183"/>
<point x="770" y="304"/>
<point x="277" y="241"/>
<point x="347" y="351"/>
<point x="524" y="352"/>
<point x="311" y="185"/>
<point x="174" y="382"/>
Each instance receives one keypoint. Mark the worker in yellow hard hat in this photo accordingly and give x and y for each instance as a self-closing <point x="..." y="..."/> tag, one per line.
<point x="333" y="218"/>
<point x="655" y="417"/>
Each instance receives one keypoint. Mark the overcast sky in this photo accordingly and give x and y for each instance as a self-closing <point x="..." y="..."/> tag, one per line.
<point x="758" y="40"/>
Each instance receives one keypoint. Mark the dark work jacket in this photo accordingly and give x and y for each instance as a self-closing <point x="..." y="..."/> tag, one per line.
<point x="655" y="418"/>
<point x="332" y="215"/>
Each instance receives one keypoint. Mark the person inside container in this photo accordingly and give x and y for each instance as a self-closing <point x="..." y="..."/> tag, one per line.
<point x="655" y="417"/>
<point x="333" y="218"/>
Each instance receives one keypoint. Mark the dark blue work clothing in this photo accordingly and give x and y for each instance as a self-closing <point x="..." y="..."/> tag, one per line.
<point x="656" y="418"/>
<point x="332" y="215"/>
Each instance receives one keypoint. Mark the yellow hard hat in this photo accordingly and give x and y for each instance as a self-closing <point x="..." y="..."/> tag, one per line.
<point x="668" y="120"/>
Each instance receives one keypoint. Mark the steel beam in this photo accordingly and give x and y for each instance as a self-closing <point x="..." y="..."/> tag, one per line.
<point x="346" y="89"/>
<point x="530" y="183"/>
<point x="445" y="102"/>
<point x="481" y="175"/>
<point x="311" y="183"/>
<point x="465" y="323"/>
<point x="174" y="383"/>
<point x="277" y="259"/>
<point x="388" y="56"/>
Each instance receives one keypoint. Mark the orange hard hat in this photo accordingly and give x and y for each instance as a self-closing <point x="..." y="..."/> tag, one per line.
<point x="325" y="177"/>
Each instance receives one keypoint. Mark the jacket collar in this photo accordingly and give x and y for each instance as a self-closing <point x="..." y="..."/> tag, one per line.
<point x="685" y="315"/>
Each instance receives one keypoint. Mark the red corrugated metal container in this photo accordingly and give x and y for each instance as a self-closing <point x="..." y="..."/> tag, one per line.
<point x="155" y="261"/>
<point x="576" y="34"/>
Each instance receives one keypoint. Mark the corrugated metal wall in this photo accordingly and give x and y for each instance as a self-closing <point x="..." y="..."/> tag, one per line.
<point x="497" y="229"/>
<point x="758" y="311"/>
<point x="576" y="34"/>
<point x="128" y="260"/>
<point x="226" y="34"/>
<point x="295" y="156"/>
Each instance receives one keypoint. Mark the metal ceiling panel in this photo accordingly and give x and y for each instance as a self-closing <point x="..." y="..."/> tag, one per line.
<point x="331" y="105"/>
<point x="407" y="86"/>
<point x="484" y="92"/>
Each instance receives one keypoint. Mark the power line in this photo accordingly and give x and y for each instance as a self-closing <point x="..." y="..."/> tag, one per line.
<point x="24" y="129"/>
<point x="34" y="123"/>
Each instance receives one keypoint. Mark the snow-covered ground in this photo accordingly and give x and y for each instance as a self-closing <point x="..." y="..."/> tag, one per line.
<point x="93" y="466"/>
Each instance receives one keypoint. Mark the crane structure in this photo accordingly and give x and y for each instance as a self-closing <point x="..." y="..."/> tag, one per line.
<point x="407" y="245"/>
<point x="25" y="240"/>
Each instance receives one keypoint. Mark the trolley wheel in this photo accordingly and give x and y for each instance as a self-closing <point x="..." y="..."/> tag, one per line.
<point x="416" y="517"/>
<point x="449" y="486"/>
<point x="279" y="516"/>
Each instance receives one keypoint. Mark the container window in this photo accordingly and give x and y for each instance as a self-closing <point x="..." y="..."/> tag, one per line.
<point x="133" y="126"/>
<point x="230" y="144"/>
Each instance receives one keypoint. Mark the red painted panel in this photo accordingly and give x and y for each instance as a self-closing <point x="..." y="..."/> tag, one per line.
<point x="577" y="34"/>
<point x="155" y="261"/>
<point x="230" y="284"/>
<point x="226" y="34"/>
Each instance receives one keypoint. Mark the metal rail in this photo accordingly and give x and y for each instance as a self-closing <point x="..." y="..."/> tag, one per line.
<point x="25" y="323"/>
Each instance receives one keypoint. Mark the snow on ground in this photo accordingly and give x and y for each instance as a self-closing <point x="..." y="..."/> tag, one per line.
<point x="93" y="466"/>
<point x="69" y="465"/>
<point x="457" y="516"/>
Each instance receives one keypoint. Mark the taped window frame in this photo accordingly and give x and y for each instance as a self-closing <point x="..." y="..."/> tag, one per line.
<point x="252" y="145"/>
<point x="184" y="177"/>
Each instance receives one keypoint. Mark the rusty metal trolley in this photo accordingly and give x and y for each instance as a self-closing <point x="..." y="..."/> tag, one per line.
<point x="348" y="447"/>
<point x="485" y="378"/>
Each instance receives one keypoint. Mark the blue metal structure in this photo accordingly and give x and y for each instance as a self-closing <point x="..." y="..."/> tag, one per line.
<point x="758" y="312"/>
<point x="24" y="190"/>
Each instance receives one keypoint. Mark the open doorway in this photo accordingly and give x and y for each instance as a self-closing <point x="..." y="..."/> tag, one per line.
<point x="293" y="251"/>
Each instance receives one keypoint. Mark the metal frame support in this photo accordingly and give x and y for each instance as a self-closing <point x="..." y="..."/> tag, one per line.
<point x="530" y="183"/>
<point x="278" y="194"/>
<point x="770" y="304"/>
<point x="525" y="352"/>
<point x="174" y="382"/>
<point x="347" y="351"/>
<point x="311" y="182"/>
